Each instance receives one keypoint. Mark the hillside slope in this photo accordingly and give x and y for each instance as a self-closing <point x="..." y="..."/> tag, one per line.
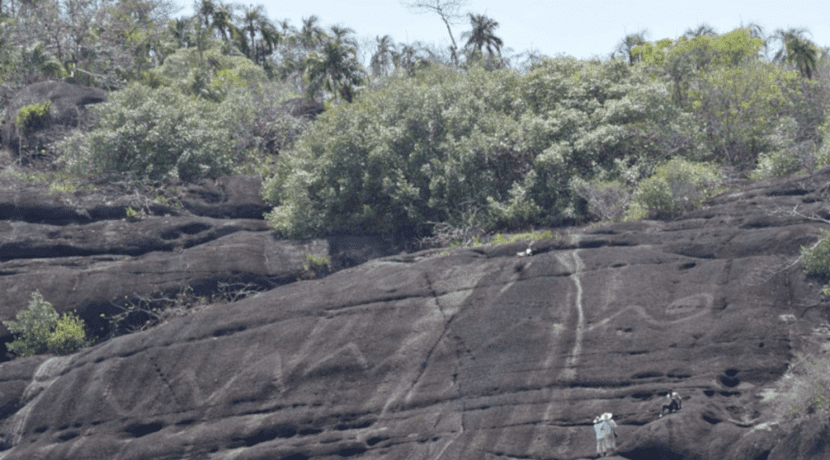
<point x="479" y="354"/>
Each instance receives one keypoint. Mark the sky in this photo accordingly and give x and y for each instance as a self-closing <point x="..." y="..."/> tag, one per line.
<point x="583" y="29"/>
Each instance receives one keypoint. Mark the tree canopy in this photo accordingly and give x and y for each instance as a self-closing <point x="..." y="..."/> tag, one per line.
<point x="415" y="136"/>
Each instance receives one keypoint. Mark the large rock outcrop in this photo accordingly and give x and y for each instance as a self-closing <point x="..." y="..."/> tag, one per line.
<point x="81" y="252"/>
<point x="471" y="354"/>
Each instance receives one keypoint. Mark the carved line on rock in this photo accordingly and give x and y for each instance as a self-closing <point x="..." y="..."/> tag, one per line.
<point x="643" y="313"/>
<point x="444" y="332"/>
<point x="576" y="266"/>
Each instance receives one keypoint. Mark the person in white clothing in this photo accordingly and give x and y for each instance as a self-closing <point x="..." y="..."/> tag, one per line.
<point x="606" y="436"/>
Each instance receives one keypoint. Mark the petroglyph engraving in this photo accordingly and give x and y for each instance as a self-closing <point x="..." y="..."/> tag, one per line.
<point x="689" y="305"/>
<point x="575" y="265"/>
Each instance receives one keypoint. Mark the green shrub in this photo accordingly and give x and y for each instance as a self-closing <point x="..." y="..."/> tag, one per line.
<point x="69" y="335"/>
<point x="314" y="262"/>
<point x="777" y="163"/>
<point x="429" y="148"/>
<point x="155" y="134"/>
<point x="210" y="74"/>
<point x="816" y="259"/>
<point x="61" y="187"/>
<point x="445" y="145"/>
<point x="675" y="187"/>
<point x="315" y="267"/>
<point x="607" y="200"/>
<point x="33" y="330"/>
<point x="33" y="117"/>
<point x="822" y="156"/>
<point x="32" y="327"/>
<point x="805" y="389"/>
<point x="163" y="133"/>
<point x="783" y="156"/>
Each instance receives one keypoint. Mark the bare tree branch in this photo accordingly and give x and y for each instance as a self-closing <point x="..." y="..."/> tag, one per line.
<point x="448" y="10"/>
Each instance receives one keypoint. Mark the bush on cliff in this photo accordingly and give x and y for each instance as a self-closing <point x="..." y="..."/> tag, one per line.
<point x="675" y="187"/>
<point x="816" y="259"/>
<point x="163" y="133"/>
<point x="491" y="149"/>
<point x="32" y="117"/>
<point x="154" y="134"/>
<point x="736" y="96"/>
<point x="209" y="74"/>
<point x="39" y="330"/>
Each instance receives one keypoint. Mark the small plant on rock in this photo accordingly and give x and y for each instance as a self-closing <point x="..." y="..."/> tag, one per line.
<point x="315" y="262"/>
<point x="527" y="236"/>
<point x="135" y="214"/>
<point x="315" y="266"/>
<point x="69" y="335"/>
<point x="61" y="187"/>
<point x="32" y="117"/>
<point x="39" y="329"/>
<point x="817" y="258"/>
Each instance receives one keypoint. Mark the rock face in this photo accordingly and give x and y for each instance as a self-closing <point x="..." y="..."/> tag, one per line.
<point x="68" y="111"/>
<point x="81" y="252"/>
<point x="478" y="354"/>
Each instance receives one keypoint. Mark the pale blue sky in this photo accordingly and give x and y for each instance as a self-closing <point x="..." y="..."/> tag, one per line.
<point x="582" y="29"/>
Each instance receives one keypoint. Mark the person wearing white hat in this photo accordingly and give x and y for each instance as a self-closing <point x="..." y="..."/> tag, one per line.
<point x="606" y="436"/>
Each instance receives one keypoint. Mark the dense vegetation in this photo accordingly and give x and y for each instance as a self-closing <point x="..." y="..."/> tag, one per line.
<point x="421" y="138"/>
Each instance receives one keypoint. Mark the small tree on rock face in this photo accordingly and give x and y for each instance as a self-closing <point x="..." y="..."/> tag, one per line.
<point x="33" y="328"/>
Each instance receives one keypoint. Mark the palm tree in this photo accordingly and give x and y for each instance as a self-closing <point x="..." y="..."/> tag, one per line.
<point x="343" y="33"/>
<point x="179" y="30"/>
<point x="255" y="23"/>
<point x="200" y="36"/>
<point x="311" y="34"/>
<point x="796" y="50"/>
<point x="335" y="68"/>
<point x="700" y="31"/>
<point x="216" y="16"/>
<point x="406" y="58"/>
<point x="384" y="56"/>
<point x="204" y="10"/>
<point x="483" y="35"/>
<point x="628" y="43"/>
<point x="223" y="22"/>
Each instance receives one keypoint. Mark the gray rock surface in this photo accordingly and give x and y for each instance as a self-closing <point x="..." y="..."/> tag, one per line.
<point x="81" y="252"/>
<point x="474" y="354"/>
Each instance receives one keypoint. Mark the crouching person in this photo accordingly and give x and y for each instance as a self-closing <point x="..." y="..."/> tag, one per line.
<point x="674" y="405"/>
